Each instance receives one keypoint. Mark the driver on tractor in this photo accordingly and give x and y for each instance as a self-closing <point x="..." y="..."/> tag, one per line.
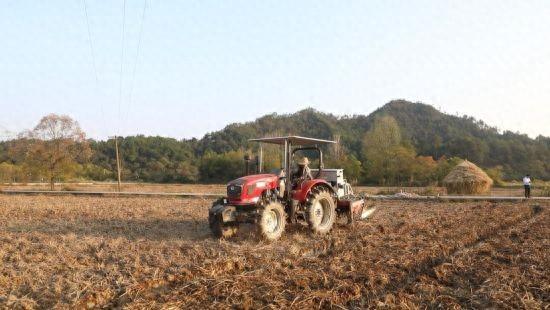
<point x="303" y="173"/>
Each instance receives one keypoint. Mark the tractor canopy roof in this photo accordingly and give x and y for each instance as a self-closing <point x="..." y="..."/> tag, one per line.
<point x="295" y="140"/>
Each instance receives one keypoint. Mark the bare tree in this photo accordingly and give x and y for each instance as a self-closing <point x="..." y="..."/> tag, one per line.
<point x="57" y="146"/>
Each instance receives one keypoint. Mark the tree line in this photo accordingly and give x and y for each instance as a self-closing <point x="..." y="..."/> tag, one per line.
<point x="401" y="143"/>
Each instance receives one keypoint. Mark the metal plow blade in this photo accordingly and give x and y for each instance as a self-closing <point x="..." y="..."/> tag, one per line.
<point x="367" y="212"/>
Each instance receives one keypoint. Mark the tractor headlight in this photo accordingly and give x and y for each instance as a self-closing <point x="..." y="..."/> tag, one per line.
<point x="250" y="189"/>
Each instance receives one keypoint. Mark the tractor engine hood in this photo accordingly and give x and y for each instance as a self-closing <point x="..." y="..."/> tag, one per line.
<point x="248" y="189"/>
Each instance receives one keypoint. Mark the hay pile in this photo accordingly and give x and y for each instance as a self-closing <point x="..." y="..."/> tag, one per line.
<point x="467" y="178"/>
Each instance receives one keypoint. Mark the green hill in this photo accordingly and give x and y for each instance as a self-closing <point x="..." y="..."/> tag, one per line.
<point x="427" y="137"/>
<point x="429" y="131"/>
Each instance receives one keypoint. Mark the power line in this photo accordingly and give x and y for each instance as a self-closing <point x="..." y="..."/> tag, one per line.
<point x="137" y="58"/>
<point x="90" y="41"/>
<point x="92" y="53"/>
<point x="121" y="60"/>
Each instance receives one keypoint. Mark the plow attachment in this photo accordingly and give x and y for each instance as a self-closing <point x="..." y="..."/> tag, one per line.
<point x="355" y="209"/>
<point x="367" y="212"/>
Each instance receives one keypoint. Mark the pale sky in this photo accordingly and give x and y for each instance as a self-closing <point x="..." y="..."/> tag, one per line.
<point x="205" y="64"/>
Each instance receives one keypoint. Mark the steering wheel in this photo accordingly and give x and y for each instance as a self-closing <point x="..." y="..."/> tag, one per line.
<point x="319" y="172"/>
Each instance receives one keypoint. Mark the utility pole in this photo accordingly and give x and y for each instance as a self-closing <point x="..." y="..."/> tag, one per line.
<point x="117" y="163"/>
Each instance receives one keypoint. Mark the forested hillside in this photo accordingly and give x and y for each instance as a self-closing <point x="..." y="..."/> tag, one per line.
<point x="436" y="134"/>
<point x="429" y="131"/>
<point x="400" y="143"/>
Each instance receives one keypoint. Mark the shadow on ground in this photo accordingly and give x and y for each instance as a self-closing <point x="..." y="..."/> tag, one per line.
<point x="133" y="229"/>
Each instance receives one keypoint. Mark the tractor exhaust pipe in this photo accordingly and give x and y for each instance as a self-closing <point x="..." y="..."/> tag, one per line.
<point x="246" y="164"/>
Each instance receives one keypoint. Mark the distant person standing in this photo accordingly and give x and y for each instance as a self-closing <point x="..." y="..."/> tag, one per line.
<point x="527" y="186"/>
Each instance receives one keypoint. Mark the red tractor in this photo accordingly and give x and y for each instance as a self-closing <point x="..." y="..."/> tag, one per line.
<point x="269" y="201"/>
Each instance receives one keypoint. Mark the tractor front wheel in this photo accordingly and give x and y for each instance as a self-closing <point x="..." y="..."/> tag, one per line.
<point x="320" y="211"/>
<point x="272" y="221"/>
<point x="218" y="228"/>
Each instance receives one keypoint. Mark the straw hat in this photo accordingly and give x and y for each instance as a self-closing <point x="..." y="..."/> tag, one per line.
<point x="303" y="161"/>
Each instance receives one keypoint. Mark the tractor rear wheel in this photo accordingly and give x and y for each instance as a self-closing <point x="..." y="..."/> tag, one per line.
<point x="218" y="228"/>
<point x="271" y="224"/>
<point x="320" y="211"/>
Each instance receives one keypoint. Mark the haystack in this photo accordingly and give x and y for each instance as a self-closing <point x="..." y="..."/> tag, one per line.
<point x="467" y="178"/>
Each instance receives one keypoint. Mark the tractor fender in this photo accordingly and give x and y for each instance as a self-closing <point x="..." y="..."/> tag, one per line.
<point x="306" y="186"/>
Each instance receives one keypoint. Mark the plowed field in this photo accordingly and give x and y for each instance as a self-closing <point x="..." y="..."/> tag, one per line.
<point x="106" y="252"/>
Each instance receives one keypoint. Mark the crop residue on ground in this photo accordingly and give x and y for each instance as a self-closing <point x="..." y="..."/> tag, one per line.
<point x="150" y="252"/>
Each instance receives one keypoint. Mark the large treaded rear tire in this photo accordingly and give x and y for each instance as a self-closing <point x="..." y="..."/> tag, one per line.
<point x="219" y="230"/>
<point x="320" y="211"/>
<point x="272" y="221"/>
